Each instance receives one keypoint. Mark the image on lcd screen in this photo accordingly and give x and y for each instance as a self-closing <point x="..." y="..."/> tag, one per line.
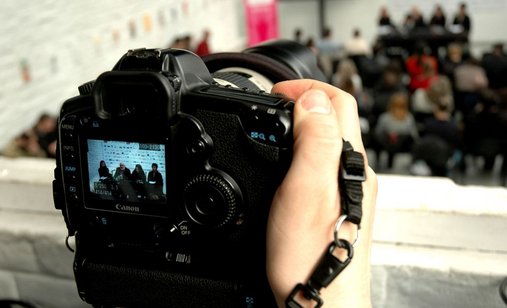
<point x="126" y="171"/>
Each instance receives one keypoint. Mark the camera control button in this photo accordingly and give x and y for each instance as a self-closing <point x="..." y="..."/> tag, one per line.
<point x="73" y="197"/>
<point x="197" y="147"/>
<point x="211" y="200"/>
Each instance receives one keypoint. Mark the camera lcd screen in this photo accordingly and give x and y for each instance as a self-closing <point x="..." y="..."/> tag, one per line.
<point x="126" y="171"/>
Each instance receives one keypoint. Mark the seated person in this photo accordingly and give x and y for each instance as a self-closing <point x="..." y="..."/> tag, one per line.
<point x="396" y="128"/>
<point x="138" y="175"/>
<point x="155" y="179"/>
<point x="122" y="173"/>
<point x="440" y="139"/>
<point x="103" y="171"/>
<point x="389" y="84"/>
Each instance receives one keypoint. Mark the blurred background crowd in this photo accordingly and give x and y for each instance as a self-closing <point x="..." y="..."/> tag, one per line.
<point x="421" y="92"/>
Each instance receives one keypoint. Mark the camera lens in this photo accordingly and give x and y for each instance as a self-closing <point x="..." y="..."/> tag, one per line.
<point x="264" y="65"/>
<point x="210" y="200"/>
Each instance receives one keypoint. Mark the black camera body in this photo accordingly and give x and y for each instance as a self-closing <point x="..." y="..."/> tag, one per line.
<point x="190" y="232"/>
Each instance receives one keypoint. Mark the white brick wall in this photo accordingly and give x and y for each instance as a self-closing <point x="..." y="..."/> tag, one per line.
<point x="65" y="43"/>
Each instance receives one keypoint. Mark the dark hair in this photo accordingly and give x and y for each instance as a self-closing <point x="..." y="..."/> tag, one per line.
<point x="154" y="165"/>
<point x="326" y="32"/>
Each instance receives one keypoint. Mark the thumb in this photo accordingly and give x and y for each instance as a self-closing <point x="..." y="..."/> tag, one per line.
<point x="305" y="206"/>
<point x="317" y="144"/>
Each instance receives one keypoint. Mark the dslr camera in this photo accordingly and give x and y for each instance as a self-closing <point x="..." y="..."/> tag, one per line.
<point x="166" y="168"/>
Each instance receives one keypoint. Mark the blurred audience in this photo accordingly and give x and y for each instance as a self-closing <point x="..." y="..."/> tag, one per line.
<point x="38" y="141"/>
<point x="437" y="91"/>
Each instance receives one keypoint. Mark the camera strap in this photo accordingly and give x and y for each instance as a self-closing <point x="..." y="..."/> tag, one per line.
<point x="350" y="177"/>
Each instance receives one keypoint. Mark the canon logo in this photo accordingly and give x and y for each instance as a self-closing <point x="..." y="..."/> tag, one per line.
<point x="127" y="208"/>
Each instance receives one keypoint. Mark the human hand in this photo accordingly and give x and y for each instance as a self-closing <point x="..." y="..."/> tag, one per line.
<point x="306" y="206"/>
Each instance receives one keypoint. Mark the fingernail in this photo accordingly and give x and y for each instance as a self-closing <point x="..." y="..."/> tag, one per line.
<point x="316" y="101"/>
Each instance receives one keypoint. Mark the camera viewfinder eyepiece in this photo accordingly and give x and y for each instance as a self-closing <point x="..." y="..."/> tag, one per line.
<point x="134" y="94"/>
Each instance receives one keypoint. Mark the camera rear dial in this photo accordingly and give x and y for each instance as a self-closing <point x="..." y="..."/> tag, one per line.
<point x="212" y="200"/>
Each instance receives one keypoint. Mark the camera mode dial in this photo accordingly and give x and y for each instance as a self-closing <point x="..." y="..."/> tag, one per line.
<point x="211" y="200"/>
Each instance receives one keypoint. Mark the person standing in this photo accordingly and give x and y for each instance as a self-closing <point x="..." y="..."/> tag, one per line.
<point x="462" y="19"/>
<point x="438" y="18"/>
<point x="203" y="46"/>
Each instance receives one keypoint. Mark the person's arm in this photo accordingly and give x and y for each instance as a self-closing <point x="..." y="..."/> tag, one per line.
<point x="307" y="204"/>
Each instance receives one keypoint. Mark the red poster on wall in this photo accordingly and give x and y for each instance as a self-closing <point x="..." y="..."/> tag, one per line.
<point x="262" y="20"/>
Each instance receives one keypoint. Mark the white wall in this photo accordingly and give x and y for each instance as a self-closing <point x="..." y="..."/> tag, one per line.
<point x="65" y="43"/>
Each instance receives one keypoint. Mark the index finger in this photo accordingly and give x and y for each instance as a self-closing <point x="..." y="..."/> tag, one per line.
<point x="344" y="104"/>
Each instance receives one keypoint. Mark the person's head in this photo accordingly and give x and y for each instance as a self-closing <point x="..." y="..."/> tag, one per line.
<point x="440" y="92"/>
<point x="310" y="43"/>
<point x="154" y="167"/>
<point x="102" y="163"/>
<point x="122" y="166"/>
<point x="45" y="124"/>
<point x="297" y="34"/>
<point x="498" y="49"/>
<point x="177" y="43"/>
<point x="455" y="52"/>
<point x="398" y="105"/>
<point x="462" y="8"/>
<point x="139" y="168"/>
<point x="428" y="67"/>
<point x="356" y="33"/>
<point x="186" y="41"/>
<point x="326" y="33"/>
<point x="347" y="67"/>
<point x="442" y="110"/>
<point x="392" y="75"/>
<point x="384" y="12"/>
<point x="415" y="13"/>
<point x="206" y="34"/>
<point x="439" y="12"/>
<point x="408" y="19"/>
